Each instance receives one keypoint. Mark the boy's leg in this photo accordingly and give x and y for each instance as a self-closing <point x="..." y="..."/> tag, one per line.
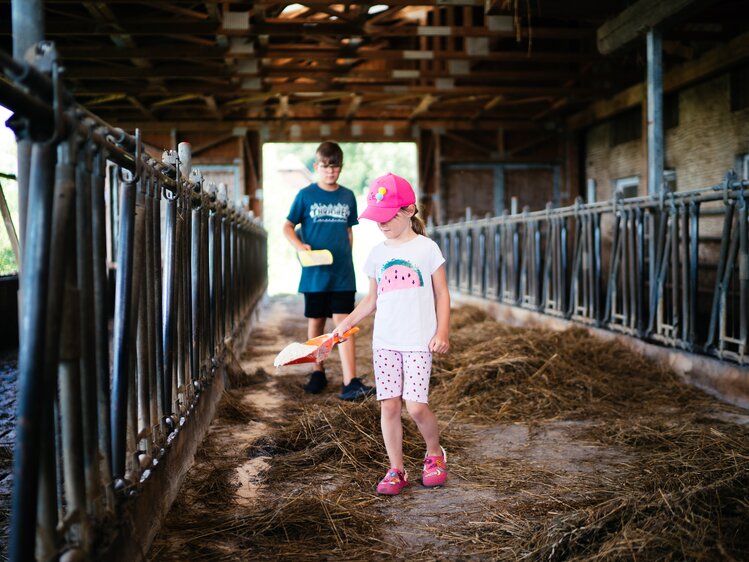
<point x="347" y="352"/>
<point x="316" y="311"/>
<point x="316" y="327"/>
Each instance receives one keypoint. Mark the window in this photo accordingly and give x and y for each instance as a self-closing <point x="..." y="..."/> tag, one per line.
<point x="740" y="88"/>
<point x="626" y="126"/>
<point x="627" y="186"/>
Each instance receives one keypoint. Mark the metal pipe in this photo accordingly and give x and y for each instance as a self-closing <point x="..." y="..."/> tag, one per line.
<point x="195" y="292"/>
<point x="169" y="293"/>
<point x="60" y="242"/>
<point x="100" y="321"/>
<point x="122" y="328"/>
<point x="34" y="283"/>
<point x="28" y="23"/>
<point x="71" y="417"/>
<point x="157" y="304"/>
<point x="84" y="252"/>
<point x="730" y="206"/>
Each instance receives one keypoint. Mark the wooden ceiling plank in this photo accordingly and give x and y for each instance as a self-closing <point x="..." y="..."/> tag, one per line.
<point x="637" y="19"/>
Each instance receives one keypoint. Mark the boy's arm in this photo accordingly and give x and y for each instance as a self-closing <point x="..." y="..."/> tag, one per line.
<point x="350" y="232"/>
<point x="440" y="342"/>
<point x="290" y="233"/>
<point x="365" y="307"/>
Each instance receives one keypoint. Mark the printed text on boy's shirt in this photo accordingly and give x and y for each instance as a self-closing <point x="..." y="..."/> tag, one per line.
<point x="333" y="212"/>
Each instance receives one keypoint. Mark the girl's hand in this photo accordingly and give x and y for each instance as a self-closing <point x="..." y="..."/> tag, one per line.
<point x="439" y="344"/>
<point x="341" y="329"/>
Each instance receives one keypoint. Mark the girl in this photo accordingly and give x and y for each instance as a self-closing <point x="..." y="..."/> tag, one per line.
<point x="408" y="288"/>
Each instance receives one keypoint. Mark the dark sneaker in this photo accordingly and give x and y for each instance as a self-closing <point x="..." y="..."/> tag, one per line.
<point x="317" y="381"/>
<point x="355" y="390"/>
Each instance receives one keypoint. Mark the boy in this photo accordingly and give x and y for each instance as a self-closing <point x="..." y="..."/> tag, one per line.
<point x="326" y="212"/>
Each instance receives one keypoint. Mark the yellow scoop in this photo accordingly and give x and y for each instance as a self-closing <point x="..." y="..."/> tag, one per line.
<point x="310" y="258"/>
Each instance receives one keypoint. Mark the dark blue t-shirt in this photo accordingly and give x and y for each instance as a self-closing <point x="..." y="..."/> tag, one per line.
<point x="325" y="217"/>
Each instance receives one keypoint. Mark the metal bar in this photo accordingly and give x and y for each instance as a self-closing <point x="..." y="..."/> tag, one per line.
<point x="71" y="417"/>
<point x="9" y="228"/>
<point x="28" y="22"/>
<point x="84" y="252"/>
<point x="694" y="216"/>
<point x="655" y="110"/>
<point x="169" y="302"/>
<point x="60" y="243"/>
<point x="157" y="312"/>
<point x="743" y="258"/>
<point x="729" y="208"/>
<point x="34" y="282"/>
<point x="122" y="329"/>
<point x="195" y="286"/>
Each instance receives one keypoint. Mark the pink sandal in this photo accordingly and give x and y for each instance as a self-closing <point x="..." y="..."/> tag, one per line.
<point x="395" y="480"/>
<point x="435" y="469"/>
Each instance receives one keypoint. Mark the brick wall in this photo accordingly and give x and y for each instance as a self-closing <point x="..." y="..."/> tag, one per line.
<point x="701" y="148"/>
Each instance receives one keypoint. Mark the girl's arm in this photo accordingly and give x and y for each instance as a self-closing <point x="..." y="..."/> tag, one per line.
<point x="440" y="342"/>
<point x="367" y="305"/>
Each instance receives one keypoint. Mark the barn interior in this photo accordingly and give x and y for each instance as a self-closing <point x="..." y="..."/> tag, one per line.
<point x="582" y="165"/>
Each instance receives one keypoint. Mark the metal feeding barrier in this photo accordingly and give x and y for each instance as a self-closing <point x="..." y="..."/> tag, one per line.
<point x="672" y="269"/>
<point x="190" y="266"/>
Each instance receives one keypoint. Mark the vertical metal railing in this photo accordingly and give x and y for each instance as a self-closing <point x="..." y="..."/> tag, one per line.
<point x="672" y="269"/>
<point x="89" y="434"/>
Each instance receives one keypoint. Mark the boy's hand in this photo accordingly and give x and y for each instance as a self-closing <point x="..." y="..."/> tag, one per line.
<point x="303" y="248"/>
<point x="439" y="344"/>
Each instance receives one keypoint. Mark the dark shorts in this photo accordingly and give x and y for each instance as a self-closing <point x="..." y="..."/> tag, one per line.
<point x="328" y="303"/>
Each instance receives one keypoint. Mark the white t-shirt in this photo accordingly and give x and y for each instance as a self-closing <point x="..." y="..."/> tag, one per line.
<point x="406" y="318"/>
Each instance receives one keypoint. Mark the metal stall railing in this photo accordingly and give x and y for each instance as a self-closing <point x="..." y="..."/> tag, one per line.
<point x="91" y="428"/>
<point x="672" y="270"/>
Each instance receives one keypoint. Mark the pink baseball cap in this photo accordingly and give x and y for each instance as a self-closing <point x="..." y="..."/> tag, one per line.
<point x="387" y="194"/>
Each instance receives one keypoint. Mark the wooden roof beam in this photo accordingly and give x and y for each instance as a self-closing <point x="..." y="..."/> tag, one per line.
<point x="711" y="63"/>
<point x="353" y="106"/>
<point x="197" y="124"/>
<point x="142" y="108"/>
<point x="638" y="18"/>
<point x="423" y="106"/>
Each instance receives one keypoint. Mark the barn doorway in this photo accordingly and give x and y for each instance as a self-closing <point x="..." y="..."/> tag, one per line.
<point x="287" y="167"/>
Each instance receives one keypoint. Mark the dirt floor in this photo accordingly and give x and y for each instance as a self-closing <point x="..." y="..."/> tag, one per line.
<point x="559" y="465"/>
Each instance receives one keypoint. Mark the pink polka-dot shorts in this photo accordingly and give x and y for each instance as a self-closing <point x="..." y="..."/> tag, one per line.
<point x="402" y="373"/>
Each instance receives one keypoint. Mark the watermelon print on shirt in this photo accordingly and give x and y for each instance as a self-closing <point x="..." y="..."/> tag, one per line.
<point x="398" y="274"/>
<point x="405" y="318"/>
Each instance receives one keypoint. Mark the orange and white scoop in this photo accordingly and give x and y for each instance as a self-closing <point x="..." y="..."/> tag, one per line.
<point x="312" y="351"/>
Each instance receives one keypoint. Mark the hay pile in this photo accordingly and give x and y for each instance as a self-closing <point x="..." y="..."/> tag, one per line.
<point x="676" y="489"/>
<point x="497" y="373"/>
<point x="342" y="438"/>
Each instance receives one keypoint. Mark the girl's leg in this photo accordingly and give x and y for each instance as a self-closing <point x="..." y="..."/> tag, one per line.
<point x="426" y="421"/>
<point x="392" y="430"/>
